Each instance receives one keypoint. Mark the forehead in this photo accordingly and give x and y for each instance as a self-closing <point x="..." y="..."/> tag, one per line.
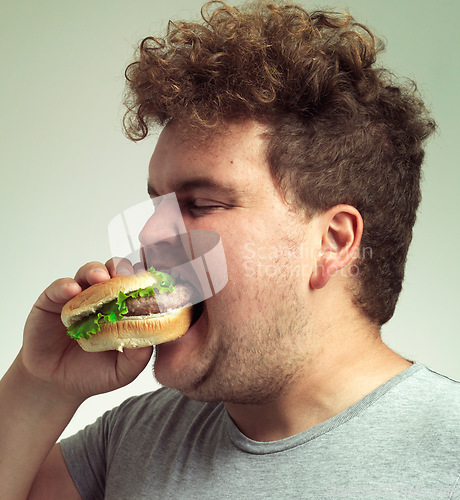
<point x="232" y="155"/>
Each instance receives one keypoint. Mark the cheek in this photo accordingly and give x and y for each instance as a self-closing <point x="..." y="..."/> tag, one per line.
<point x="261" y="264"/>
<point x="248" y="294"/>
<point x="273" y="262"/>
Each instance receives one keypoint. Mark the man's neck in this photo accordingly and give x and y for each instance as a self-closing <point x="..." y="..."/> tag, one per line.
<point x="326" y="387"/>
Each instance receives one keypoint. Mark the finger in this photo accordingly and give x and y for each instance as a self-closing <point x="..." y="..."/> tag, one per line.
<point x="91" y="273"/>
<point x="57" y="294"/>
<point x="131" y="362"/>
<point x="118" y="266"/>
<point x="139" y="267"/>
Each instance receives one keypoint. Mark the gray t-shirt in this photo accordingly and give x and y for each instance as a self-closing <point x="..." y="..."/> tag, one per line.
<point x="400" y="441"/>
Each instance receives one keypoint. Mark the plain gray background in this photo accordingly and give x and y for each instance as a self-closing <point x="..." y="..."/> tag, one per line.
<point x="67" y="169"/>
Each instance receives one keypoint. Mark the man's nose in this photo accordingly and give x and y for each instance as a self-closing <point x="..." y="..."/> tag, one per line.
<point x="163" y="227"/>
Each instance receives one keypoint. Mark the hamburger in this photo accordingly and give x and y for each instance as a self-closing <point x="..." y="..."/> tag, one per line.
<point x="144" y="309"/>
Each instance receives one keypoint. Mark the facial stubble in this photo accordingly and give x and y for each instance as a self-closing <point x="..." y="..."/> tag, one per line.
<point x="258" y="356"/>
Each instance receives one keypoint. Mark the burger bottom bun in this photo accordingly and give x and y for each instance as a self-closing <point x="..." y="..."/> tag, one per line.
<point x="139" y="331"/>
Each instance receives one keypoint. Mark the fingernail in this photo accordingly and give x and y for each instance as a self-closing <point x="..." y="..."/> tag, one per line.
<point x="100" y="270"/>
<point x="123" y="271"/>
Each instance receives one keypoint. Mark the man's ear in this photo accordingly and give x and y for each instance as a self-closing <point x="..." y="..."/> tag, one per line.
<point x="342" y="228"/>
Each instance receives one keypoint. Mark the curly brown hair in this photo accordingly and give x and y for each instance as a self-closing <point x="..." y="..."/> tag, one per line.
<point x="341" y="129"/>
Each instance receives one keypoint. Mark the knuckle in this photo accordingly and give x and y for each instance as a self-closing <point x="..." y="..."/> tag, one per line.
<point x="119" y="265"/>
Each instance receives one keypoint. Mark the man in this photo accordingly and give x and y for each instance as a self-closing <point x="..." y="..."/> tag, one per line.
<point x="281" y="136"/>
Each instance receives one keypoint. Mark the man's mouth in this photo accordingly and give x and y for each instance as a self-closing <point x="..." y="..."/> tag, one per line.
<point x="198" y="310"/>
<point x="196" y="299"/>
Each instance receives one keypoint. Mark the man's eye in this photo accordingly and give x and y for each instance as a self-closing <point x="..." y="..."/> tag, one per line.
<point x="198" y="209"/>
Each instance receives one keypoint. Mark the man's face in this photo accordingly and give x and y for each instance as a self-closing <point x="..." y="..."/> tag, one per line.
<point x="252" y="337"/>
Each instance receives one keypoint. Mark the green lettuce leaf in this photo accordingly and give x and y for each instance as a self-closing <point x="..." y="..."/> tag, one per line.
<point x="84" y="328"/>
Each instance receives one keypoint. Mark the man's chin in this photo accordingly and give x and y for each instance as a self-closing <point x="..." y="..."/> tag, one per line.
<point x="187" y="381"/>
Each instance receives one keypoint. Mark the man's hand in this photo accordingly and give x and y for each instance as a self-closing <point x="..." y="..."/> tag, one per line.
<point x="49" y="379"/>
<point x="50" y="355"/>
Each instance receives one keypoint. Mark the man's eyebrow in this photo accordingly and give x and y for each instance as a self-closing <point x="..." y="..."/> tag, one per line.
<point x="199" y="183"/>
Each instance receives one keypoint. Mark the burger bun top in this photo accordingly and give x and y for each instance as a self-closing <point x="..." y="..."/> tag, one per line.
<point x="93" y="298"/>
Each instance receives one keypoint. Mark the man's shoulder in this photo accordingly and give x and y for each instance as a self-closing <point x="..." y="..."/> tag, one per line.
<point x="440" y="393"/>
<point x="425" y="389"/>
<point x="431" y="403"/>
<point x="435" y="388"/>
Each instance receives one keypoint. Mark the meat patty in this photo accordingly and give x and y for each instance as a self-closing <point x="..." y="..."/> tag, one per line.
<point x="141" y="306"/>
<point x="154" y="304"/>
